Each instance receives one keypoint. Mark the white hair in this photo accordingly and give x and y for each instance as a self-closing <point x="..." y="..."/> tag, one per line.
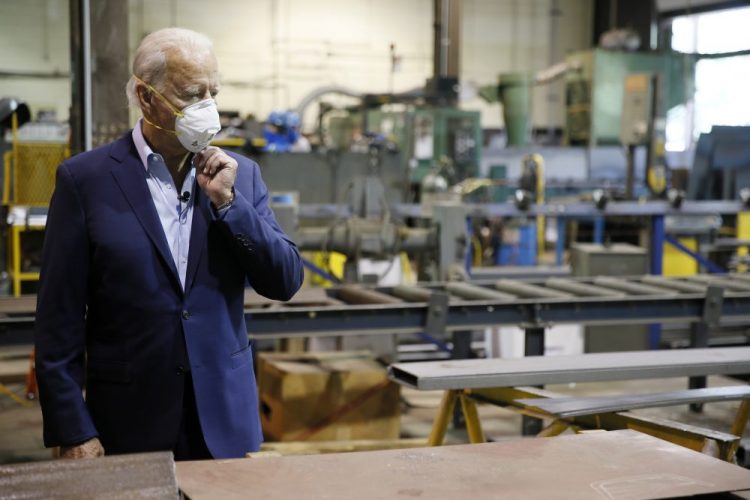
<point x="150" y="61"/>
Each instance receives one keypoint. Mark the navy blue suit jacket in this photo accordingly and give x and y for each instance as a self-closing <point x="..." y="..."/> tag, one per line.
<point x="112" y="314"/>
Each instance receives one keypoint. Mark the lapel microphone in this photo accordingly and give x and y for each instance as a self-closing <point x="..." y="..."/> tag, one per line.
<point x="185" y="197"/>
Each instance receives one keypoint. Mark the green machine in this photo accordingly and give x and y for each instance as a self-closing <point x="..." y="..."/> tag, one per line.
<point x="594" y="92"/>
<point x="430" y="136"/>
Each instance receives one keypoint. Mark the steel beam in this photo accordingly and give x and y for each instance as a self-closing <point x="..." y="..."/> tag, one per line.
<point x="723" y="281"/>
<point x="674" y="284"/>
<point x="594" y="405"/>
<point x="474" y="292"/>
<point x="354" y="294"/>
<point x="529" y="290"/>
<point x="631" y="287"/>
<point x="581" y="210"/>
<point x="582" y="289"/>
<point x="596" y="367"/>
<point x="410" y="317"/>
<point x="412" y="293"/>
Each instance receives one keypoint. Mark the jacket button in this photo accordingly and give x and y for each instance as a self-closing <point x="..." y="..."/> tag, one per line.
<point x="180" y="370"/>
<point x="185" y="315"/>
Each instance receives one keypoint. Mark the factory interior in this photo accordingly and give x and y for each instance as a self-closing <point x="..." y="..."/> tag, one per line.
<point x="524" y="227"/>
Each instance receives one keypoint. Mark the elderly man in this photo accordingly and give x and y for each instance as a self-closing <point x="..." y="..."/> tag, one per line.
<point x="149" y="245"/>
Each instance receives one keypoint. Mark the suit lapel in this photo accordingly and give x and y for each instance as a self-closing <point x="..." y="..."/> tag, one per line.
<point x="198" y="235"/>
<point x="131" y="177"/>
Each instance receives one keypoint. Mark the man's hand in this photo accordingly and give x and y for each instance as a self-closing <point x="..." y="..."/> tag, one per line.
<point x="216" y="171"/>
<point x="90" y="449"/>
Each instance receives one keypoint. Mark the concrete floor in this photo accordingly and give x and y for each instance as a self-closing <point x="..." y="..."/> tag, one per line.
<point x="21" y="427"/>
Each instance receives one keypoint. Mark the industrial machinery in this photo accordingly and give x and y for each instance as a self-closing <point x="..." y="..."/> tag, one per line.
<point x="427" y="135"/>
<point x="594" y="93"/>
<point x="425" y="124"/>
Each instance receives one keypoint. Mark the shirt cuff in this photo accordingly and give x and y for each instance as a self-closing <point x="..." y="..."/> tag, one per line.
<point x="219" y="214"/>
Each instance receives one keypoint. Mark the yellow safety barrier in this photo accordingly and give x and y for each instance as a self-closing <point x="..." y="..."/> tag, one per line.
<point x="29" y="179"/>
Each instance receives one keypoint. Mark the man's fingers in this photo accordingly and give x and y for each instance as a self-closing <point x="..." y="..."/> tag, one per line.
<point x="215" y="163"/>
<point x="202" y="157"/>
<point x="90" y="449"/>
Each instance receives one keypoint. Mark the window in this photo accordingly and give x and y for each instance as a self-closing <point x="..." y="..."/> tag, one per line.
<point x="721" y="94"/>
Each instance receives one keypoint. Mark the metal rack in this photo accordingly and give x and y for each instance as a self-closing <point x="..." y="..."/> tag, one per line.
<point x="436" y="308"/>
<point x="532" y="304"/>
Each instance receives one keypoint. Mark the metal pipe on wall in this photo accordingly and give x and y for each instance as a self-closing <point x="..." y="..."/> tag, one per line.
<point x="446" y="38"/>
<point x="86" y="68"/>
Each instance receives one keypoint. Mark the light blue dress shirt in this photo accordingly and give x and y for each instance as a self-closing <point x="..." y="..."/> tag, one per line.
<point x="176" y="215"/>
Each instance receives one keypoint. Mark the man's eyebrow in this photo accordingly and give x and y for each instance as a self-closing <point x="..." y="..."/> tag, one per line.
<point x="193" y="89"/>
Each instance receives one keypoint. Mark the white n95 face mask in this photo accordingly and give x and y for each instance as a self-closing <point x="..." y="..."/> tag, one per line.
<point x="195" y="124"/>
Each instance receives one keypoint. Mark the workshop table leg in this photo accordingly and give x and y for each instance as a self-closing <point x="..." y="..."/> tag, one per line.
<point x="698" y="338"/>
<point x="740" y="421"/>
<point x="440" y="424"/>
<point x="461" y="350"/>
<point x="554" y="429"/>
<point x="657" y="262"/>
<point x="473" y="424"/>
<point x="700" y="331"/>
<point x="560" y="243"/>
<point x="738" y="429"/>
<point x="533" y="346"/>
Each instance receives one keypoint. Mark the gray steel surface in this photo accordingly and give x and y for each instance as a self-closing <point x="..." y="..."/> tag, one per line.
<point x="582" y="289"/>
<point x="474" y="292"/>
<point x="142" y="475"/>
<point x="722" y="281"/>
<point x="596" y="367"/>
<point x="529" y="290"/>
<point x="593" y="405"/>
<point x="632" y="288"/>
<point x="675" y="284"/>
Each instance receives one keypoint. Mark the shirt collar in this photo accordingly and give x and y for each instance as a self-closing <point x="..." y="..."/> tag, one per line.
<point x="144" y="150"/>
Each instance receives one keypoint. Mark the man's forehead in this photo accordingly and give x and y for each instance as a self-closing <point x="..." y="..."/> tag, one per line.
<point x="185" y="73"/>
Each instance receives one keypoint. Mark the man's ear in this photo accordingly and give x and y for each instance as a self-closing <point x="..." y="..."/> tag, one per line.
<point x="145" y="96"/>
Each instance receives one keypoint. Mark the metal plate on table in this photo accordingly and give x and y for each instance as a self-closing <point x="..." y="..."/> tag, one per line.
<point x="595" y="367"/>
<point x="141" y="475"/>
<point x="619" y="464"/>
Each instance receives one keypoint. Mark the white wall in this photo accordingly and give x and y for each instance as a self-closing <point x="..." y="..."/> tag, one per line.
<point x="34" y="37"/>
<point x="273" y="52"/>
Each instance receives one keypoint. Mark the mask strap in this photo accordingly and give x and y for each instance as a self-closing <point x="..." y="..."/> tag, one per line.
<point x="176" y="111"/>
<point x="159" y="127"/>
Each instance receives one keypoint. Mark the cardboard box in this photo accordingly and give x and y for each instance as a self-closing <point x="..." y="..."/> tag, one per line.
<point x="326" y="396"/>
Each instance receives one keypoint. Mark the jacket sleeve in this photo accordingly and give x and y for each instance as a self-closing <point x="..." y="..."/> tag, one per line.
<point x="269" y="258"/>
<point x="59" y="335"/>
